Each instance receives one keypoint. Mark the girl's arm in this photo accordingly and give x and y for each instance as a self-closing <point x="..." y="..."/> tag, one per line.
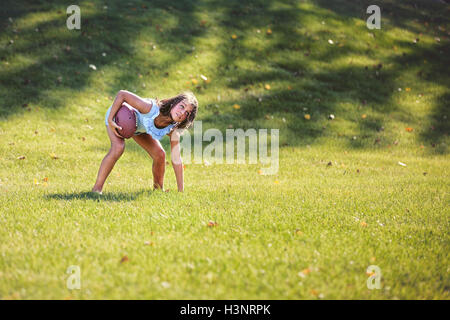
<point x="176" y="159"/>
<point x="133" y="100"/>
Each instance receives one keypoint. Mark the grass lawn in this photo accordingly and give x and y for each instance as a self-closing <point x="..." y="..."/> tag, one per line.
<point x="370" y="187"/>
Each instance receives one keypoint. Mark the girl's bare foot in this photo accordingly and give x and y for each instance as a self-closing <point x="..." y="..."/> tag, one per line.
<point x="97" y="191"/>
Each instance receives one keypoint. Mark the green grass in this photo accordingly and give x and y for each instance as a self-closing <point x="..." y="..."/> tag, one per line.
<point x="331" y="220"/>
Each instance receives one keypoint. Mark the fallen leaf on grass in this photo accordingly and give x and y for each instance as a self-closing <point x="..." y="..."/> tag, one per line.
<point x="53" y="156"/>
<point x="21" y="157"/>
<point x="234" y="36"/>
<point x="212" y="224"/>
<point x="267" y="86"/>
<point x="363" y="224"/>
<point x="236" y="106"/>
<point x="364" y="116"/>
<point x="409" y="129"/>
<point x="306" y="271"/>
<point x="124" y="259"/>
<point x="307" y="116"/>
<point x="269" y="31"/>
<point x="314" y="292"/>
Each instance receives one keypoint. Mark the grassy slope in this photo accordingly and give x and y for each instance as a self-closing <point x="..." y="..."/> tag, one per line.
<point x="363" y="209"/>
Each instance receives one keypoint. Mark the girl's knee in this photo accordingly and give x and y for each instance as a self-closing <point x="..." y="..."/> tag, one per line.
<point x="160" y="156"/>
<point x="117" y="149"/>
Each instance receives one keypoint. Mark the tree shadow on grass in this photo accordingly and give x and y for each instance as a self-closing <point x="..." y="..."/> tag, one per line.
<point x="45" y="63"/>
<point x="323" y="78"/>
<point x="420" y="17"/>
<point x="406" y="14"/>
<point x="108" y="196"/>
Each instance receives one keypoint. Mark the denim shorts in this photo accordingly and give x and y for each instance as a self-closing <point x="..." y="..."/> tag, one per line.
<point x="107" y="115"/>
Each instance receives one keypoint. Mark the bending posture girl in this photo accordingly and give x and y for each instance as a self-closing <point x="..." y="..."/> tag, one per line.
<point x="155" y="120"/>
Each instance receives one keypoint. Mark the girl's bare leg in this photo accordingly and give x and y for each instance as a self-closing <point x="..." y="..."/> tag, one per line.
<point x="114" y="153"/>
<point x="156" y="151"/>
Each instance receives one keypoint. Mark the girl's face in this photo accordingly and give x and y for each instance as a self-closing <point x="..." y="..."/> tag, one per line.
<point x="181" y="111"/>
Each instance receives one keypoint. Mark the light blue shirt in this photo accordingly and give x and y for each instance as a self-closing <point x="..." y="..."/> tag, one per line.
<point x="146" y="122"/>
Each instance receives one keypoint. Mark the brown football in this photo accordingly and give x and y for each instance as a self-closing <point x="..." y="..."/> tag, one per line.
<point x="127" y="120"/>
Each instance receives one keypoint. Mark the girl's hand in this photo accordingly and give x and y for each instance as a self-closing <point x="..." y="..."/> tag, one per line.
<point x="114" y="128"/>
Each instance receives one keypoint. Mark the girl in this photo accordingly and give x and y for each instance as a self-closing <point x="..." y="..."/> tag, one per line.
<point x="155" y="119"/>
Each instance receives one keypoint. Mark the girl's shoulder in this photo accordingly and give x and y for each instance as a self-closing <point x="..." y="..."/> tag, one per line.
<point x="150" y="100"/>
<point x="154" y="103"/>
